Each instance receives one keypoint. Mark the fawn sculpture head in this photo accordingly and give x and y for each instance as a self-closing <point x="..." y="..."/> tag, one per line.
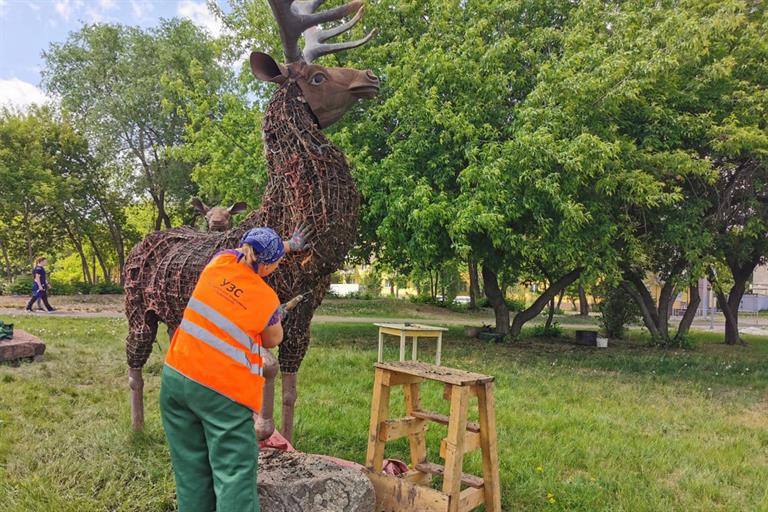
<point x="329" y="91"/>
<point x="218" y="218"/>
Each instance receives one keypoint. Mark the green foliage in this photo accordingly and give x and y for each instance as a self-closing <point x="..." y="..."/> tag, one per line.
<point x="512" y="304"/>
<point x="617" y="311"/>
<point x="21" y="286"/>
<point x="544" y="331"/>
<point x="372" y="282"/>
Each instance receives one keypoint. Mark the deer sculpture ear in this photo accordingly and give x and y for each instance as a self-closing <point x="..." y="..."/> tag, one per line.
<point x="236" y="208"/>
<point x="265" y="68"/>
<point x="199" y="205"/>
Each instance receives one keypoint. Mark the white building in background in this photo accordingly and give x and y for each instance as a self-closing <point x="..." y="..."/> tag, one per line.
<point x="344" y="290"/>
<point x="760" y="280"/>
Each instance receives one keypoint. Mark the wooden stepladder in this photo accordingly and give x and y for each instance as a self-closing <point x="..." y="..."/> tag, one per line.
<point x="413" y="492"/>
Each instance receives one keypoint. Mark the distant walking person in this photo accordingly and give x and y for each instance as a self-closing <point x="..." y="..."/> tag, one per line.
<point x="40" y="285"/>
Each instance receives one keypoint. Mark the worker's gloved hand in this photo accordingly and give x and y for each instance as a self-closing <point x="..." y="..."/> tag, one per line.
<point x="298" y="240"/>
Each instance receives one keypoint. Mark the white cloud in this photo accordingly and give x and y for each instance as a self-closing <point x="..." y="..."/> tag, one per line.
<point x="199" y="14"/>
<point x="106" y="5"/>
<point x="141" y="9"/>
<point x="66" y="8"/>
<point x="20" y="94"/>
<point x="3" y="4"/>
<point x="96" y="16"/>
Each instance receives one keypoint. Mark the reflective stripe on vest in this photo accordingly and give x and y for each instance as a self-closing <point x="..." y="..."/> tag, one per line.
<point x="225" y="324"/>
<point x="222" y="346"/>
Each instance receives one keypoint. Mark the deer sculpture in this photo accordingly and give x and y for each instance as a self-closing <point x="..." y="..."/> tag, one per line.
<point x="309" y="182"/>
<point x="218" y="218"/>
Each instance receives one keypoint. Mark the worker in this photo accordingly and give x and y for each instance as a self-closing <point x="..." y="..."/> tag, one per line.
<point x="212" y="378"/>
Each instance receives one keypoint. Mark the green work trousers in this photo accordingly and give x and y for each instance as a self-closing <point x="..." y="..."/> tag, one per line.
<point x="213" y="447"/>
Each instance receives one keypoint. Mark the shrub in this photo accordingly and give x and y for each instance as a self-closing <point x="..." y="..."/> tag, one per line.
<point x="422" y="299"/>
<point x="360" y="296"/>
<point x="105" y="289"/>
<point x="21" y="286"/>
<point x="513" y="304"/>
<point x="62" y="288"/>
<point x="618" y="309"/>
<point x="372" y="283"/>
<point x="542" y="331"/>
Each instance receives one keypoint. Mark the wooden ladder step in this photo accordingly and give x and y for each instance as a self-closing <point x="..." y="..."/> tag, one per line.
<point x="402" y="427"/>
<point x="436" y="469"/>
<point x="471" y="443"/>
<point x="442" y="418"/>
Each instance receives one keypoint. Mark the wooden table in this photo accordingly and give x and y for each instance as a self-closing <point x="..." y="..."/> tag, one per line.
<point x="413" y="331"/>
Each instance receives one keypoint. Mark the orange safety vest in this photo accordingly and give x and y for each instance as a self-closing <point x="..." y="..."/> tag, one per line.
<point x="218" y="343"/>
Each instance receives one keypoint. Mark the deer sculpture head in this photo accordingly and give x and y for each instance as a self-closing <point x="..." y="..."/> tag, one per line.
<point x="218" y="218"/>
<point x="329" y="91"/>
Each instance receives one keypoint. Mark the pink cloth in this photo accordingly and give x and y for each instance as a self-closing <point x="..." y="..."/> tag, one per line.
<point x="278" y="442"/>
<point x="394" y="467"/>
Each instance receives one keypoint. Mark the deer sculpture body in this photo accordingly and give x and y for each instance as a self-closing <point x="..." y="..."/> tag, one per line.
<point x="309" y="183"/>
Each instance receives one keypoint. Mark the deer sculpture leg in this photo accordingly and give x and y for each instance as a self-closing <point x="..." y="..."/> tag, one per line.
<point x="142" y="335"/>
<point x="294" y="348"/>
<point x="265" y="423"/>
<point x="291" y="353"/>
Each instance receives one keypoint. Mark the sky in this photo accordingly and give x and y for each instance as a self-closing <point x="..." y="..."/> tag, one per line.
<point x="27" y="27"/>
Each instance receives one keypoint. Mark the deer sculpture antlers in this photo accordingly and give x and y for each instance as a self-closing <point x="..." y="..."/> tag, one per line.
<point x="297" y="17"/>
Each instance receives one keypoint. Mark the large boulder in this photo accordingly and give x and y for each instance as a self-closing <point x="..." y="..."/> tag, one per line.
<point x="22" y="346"/>
<point x="301" y="482"/>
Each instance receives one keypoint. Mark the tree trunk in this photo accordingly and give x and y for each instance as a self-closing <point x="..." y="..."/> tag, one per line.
<point x="78" y="247"/>
<point x="117" y="240"/>
<point x="474" y="283"/>
<point x="432" y="293"/>
<point x="551" y="314"/>
<point x="28" y="236"/>
<point x="496" y="300"/>
<point x="731" y="320"/>
<point x="648" y="310"/>
<point x="583" y="302"/>
<point x="694" y="299"/>
<point x="730" y="307"/>
<point x="6" y="260"/>
<point x="666" y="298"/>
<point x="549" y="294"/>
<point x="98" y="256"/>
<point x="162" y="215"/>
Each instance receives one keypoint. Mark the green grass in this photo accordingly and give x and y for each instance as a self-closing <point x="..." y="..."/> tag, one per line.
<point x="393" y="308"/>
<point x="624" y="429"/>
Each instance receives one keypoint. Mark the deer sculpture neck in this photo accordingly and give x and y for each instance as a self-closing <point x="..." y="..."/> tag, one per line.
<point x="308" y="179"/>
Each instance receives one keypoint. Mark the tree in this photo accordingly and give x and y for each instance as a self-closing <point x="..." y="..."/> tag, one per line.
<point x="454" y="74"/>
<point x="113" y="81"/>
<point x="648" y="109"/>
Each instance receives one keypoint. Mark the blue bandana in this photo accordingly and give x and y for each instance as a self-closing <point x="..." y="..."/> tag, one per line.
<point x="267" y="244"/>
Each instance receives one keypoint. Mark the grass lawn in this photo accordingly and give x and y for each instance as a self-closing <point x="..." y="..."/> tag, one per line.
<point x="623" y="429"/>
